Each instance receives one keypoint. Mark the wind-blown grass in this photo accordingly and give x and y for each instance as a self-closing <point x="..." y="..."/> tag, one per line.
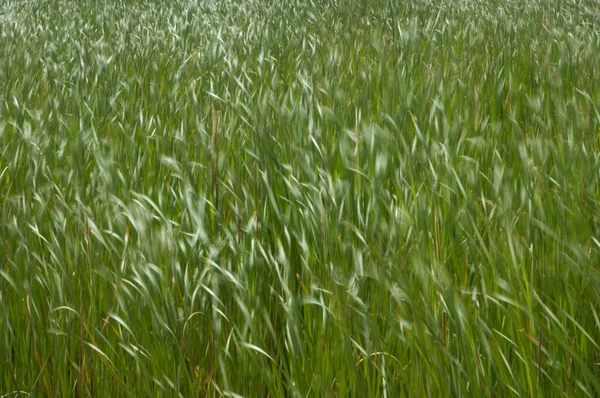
<point x="300" y="198"/>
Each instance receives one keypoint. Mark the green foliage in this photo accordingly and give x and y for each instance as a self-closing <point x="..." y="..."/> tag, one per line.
<point x="300" y="198"/>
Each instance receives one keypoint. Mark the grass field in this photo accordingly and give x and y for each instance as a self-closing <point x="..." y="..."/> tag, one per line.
<point x="368" y="198"/>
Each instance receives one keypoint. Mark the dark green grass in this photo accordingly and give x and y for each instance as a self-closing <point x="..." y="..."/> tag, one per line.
<point x="296" y="198"/>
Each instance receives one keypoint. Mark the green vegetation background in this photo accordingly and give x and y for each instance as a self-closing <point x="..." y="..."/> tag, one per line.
<point x="300" y="198"/>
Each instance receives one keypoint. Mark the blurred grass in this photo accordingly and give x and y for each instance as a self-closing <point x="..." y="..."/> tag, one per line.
<point x="299" y="198"/>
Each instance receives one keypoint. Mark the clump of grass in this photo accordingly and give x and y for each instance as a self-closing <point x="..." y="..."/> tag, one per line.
<point x="240" y="198"/>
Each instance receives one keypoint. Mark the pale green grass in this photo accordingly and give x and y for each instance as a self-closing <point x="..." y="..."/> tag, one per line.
<point x="300" y="198"/>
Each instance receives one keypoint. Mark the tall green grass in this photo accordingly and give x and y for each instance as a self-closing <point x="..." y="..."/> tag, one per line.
<point x="300" y="198"/>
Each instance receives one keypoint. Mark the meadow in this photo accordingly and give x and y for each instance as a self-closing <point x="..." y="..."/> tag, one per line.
<point x="299" y="198"/>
